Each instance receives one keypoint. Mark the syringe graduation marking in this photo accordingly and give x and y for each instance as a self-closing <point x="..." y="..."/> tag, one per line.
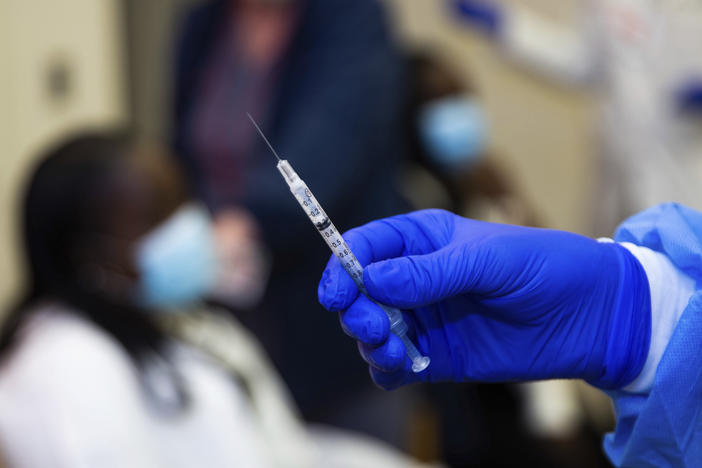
<point x="324" y="224"/>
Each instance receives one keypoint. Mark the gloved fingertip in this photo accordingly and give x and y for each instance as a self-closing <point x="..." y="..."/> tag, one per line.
<point x="336" y="290"/>
<point x="326" y="298"/>
<point x="378" y="329"/>
<point x="388" y="357"/>
<point x="388" y="380"/>
<point x="366" y="322"/>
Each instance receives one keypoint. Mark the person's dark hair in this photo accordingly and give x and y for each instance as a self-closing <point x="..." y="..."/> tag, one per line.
<point x="65" y="203"/>
<point x="428" y="79"/>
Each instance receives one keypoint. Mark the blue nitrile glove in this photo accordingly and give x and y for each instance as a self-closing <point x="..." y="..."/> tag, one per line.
<point x="483" y="15"/>
<point x="492" y="302"/>
<point x="689" y="97"/>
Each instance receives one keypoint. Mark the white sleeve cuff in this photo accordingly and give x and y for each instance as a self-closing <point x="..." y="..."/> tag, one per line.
<point x="671" y="290"/>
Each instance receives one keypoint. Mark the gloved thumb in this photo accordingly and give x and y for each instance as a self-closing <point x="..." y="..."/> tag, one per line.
<point x="417" y="280"/>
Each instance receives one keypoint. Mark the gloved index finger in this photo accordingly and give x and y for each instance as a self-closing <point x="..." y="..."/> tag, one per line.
<point x="377" y="240"/>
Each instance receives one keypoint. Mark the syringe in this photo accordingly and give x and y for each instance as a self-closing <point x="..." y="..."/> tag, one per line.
<point x="338" y="246"/>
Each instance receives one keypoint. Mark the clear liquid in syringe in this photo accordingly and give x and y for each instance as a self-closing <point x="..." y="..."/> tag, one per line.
<point x="328" y="231"/>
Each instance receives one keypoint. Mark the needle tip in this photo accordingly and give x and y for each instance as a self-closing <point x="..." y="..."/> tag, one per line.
<point x="260" y="132"/>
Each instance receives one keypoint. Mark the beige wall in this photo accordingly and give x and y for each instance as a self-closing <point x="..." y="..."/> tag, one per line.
<point x="152" y="30"/>
<point x="541" y="131"/>
<point x="37" y="37"/>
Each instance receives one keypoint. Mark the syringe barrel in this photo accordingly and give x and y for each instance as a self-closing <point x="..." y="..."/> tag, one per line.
<point x="397" y="322"/>
<point x="323" y="224"/>
<point x="348" y="260"/>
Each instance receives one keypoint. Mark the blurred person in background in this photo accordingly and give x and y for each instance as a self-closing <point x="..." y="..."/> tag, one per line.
<point x="111" y="360"/>
<point x="323" y="79"/>
<point x="449" y="136"/>
<point x="644" y="58"/>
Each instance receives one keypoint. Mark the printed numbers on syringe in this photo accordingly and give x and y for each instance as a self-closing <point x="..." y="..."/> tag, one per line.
<point x="342" y="252"/>
<point x="307" y="202"/>
<point x="331" y="236"/>
<point x="314" y="211"/>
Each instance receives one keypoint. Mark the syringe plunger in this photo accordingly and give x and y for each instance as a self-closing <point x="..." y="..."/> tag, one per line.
<point x="338" y="246"/>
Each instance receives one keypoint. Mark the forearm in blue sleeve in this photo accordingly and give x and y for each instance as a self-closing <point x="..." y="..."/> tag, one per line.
<point x="657" y="415"/>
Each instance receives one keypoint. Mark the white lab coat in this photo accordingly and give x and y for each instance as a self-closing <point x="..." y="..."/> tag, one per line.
<point x="637" y="54"/>
<point x="70" y="397"/>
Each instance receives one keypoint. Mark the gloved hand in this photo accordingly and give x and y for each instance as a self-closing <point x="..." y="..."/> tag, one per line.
<point x="491" y="302"/>
<point x="484" y="15"/>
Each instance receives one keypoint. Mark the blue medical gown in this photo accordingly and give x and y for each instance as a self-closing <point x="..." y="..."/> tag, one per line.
<point x="664" y="427"/>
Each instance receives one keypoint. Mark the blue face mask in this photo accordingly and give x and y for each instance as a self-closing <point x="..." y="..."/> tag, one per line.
<point x="176" y="261"/>
<point x="453" y="131"/>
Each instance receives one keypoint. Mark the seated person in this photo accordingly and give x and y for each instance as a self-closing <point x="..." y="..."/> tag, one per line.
<point x="101" y="364"/>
